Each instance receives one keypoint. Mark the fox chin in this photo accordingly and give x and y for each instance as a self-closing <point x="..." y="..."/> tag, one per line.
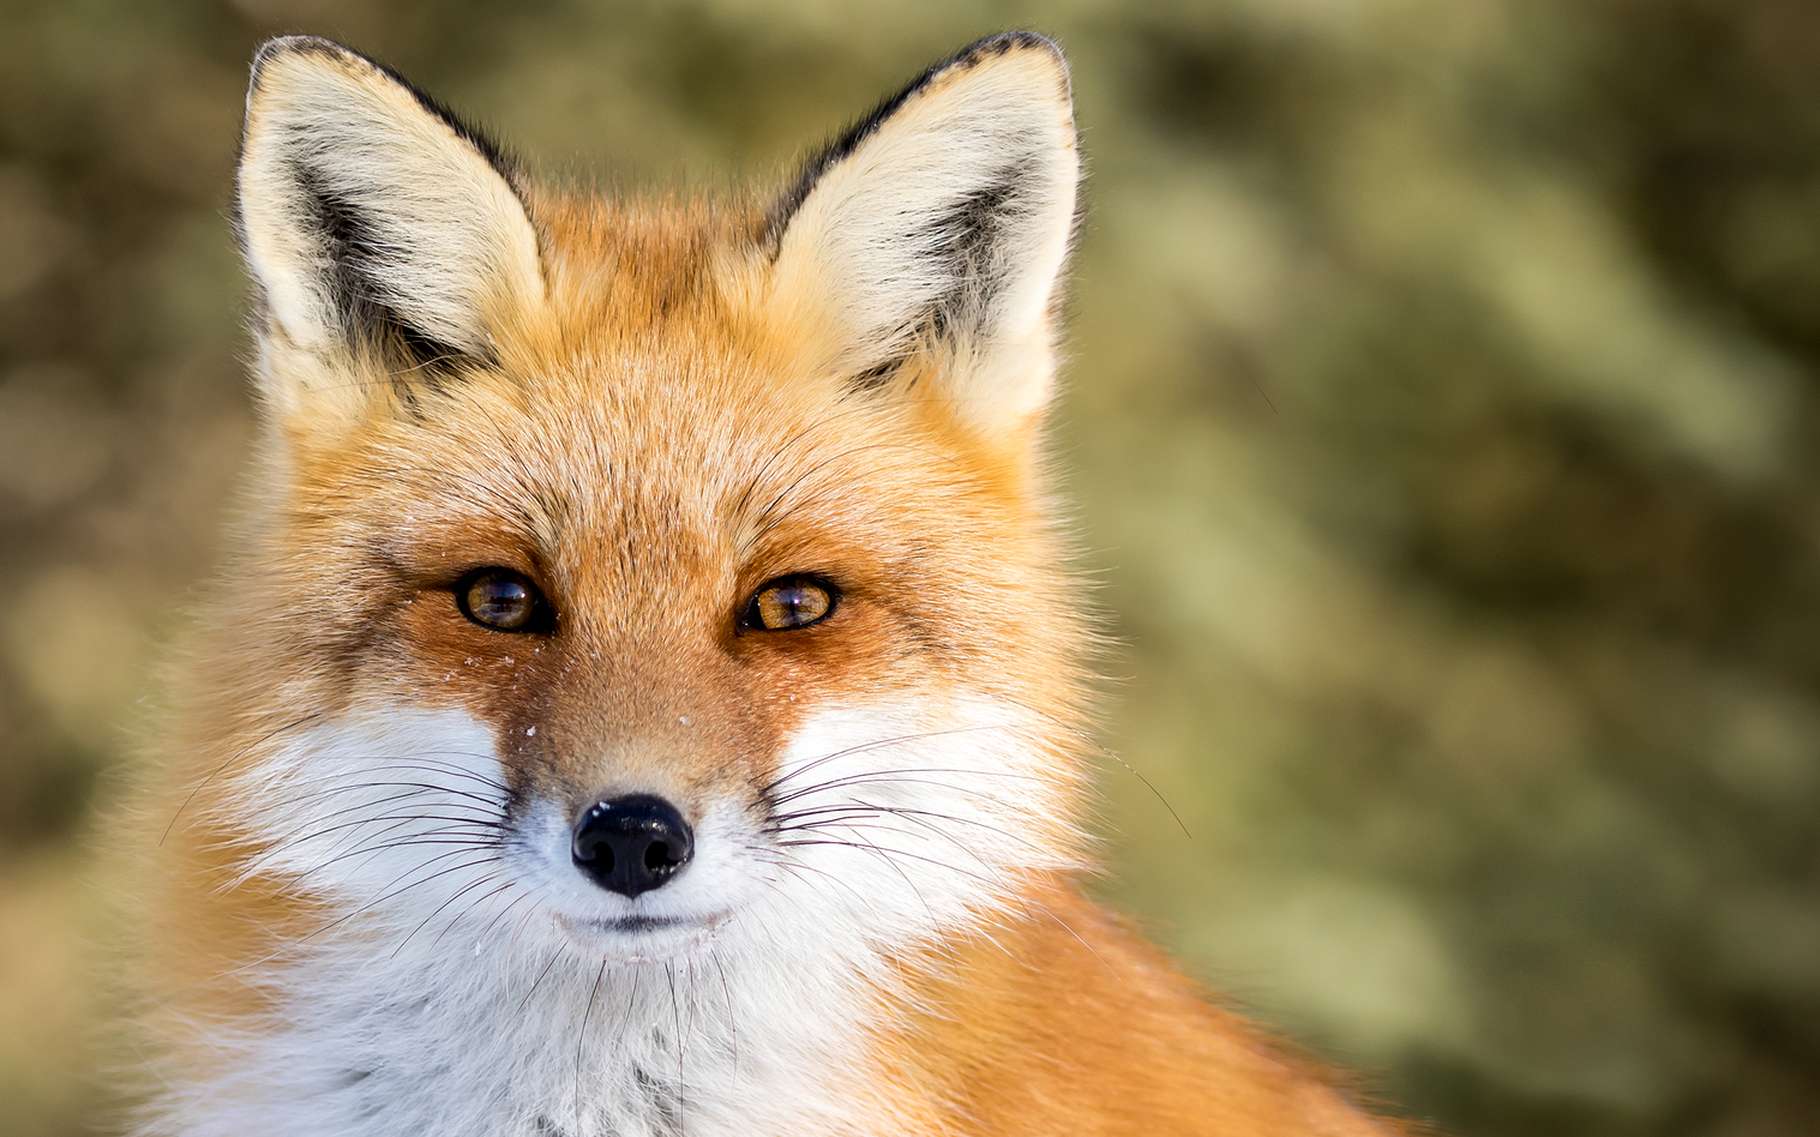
<point x="649" y="694"/>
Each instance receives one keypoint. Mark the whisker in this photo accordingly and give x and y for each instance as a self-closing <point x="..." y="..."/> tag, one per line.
<point x="440" y="836"/>
<point x="285" y="841"/>
<point x="436" y="911"/>
<point x="1106" y="752"/>
<point x="957" y="843"/>
<point x="453" y="844"/>
<point x="794" y="866"/>
<point x="537" y="982"/>
<point x="676" y="1011"/>
<point x="469" y="820"/>
<point x="581" y="1038"/>
<point x="416" y="789"/>
<point x="869" y="820"/>
<point x="1043" y="908"/>
<point x="336" y="923"/>
<point x="524" y="895"/>
<point x="387" y="892"/>
<point x="440" y="759"/>
<point x="443" y="758"/>
<point x="726" y="990"/>
<point x="452" y="791"/>
<point x="897" y="777"/>
<point x="355" y="836"/>
<point x="476" y="824"/>
<point x="472" y="904"/>
<point x="230" y="760"/>
<point x="876" y="744"/>
<point x="912" y="814"/>
<point x="295" y="837"/>
<point x="868" y="845"/>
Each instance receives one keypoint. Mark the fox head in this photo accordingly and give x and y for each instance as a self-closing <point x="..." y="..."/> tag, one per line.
<point x="634" y="577"/>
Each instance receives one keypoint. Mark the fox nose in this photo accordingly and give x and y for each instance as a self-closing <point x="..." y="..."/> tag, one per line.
<point x="631" y="844"/>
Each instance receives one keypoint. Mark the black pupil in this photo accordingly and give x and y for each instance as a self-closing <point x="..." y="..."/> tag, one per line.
<point x="501" y="600"/>
<point x="792" y="604"/>
<point x="795" y="598"/>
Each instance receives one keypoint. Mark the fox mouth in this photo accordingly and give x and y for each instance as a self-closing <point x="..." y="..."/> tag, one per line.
<point x="634" y="924"/>
<point x="639" y="937"/>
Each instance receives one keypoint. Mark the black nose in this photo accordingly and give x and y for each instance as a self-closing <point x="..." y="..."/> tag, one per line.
<point x="631" y="844"/>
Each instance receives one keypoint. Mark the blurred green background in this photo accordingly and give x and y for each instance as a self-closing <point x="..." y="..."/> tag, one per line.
<point x="1442" y="418"/>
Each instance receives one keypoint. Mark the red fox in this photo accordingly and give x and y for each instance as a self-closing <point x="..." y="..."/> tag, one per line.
<point x="650" y="697"/>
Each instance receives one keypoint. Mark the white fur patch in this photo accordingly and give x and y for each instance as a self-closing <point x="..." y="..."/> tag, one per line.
<point x="463" y="1004"/>
<point x="877" y="242"/>
<point x="445" y="240"/>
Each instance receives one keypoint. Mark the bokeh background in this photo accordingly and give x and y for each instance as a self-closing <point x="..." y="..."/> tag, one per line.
<point x="1444" y="398"/>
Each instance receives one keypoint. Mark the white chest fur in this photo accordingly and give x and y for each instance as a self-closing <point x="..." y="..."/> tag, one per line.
<point x="438" y="1040"/>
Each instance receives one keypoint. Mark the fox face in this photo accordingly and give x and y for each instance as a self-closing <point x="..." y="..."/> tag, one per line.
<point x="649" y="696"/>
<point x="632" y="585"/>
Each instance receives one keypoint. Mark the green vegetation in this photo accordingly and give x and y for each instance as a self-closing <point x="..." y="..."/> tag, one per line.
<point x="1442" y="416"/>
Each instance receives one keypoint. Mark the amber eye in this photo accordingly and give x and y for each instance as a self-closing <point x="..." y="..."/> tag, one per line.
<point x="790" y="602"/>
<point x="501" y="599"/>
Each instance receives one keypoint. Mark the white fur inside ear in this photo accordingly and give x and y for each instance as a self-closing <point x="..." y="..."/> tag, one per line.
<point x="955" y="211"/>
<point x="348" y="180"/>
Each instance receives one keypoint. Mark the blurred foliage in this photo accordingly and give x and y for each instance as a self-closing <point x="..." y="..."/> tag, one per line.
<point x="1442" y="414"/>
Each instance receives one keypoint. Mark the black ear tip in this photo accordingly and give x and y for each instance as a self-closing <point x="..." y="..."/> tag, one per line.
<point x="1019" y="40"/>
<point x="271" y="52"/>
<point x="280" y="47"/>
<point x="293" y="46"/>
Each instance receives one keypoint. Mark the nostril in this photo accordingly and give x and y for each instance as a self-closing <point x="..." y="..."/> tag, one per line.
<point x="632" y="844"/>
<point x="658" y="858"/>
<point x="591" y="847"/>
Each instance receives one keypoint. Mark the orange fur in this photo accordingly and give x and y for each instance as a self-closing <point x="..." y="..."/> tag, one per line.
<point x="1070" y="1023"/>
<point x="652" y="441"/>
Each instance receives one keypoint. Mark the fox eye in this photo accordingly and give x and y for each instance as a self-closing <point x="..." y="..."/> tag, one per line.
<point x="790" y="602"/>
<point x="501" y="599"/>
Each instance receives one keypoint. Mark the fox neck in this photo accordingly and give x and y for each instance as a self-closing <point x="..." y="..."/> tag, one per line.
<point x="453" y="1038"/>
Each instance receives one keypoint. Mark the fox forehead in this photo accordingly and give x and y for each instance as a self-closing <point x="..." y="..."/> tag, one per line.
<point x="635" y="459"/>
<point x="653" y="419"/>
<point x="616" y="269"/>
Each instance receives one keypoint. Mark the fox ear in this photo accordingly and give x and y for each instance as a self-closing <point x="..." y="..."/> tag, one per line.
<point x="940" y="224"/>
<point x="376" y="225"/>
